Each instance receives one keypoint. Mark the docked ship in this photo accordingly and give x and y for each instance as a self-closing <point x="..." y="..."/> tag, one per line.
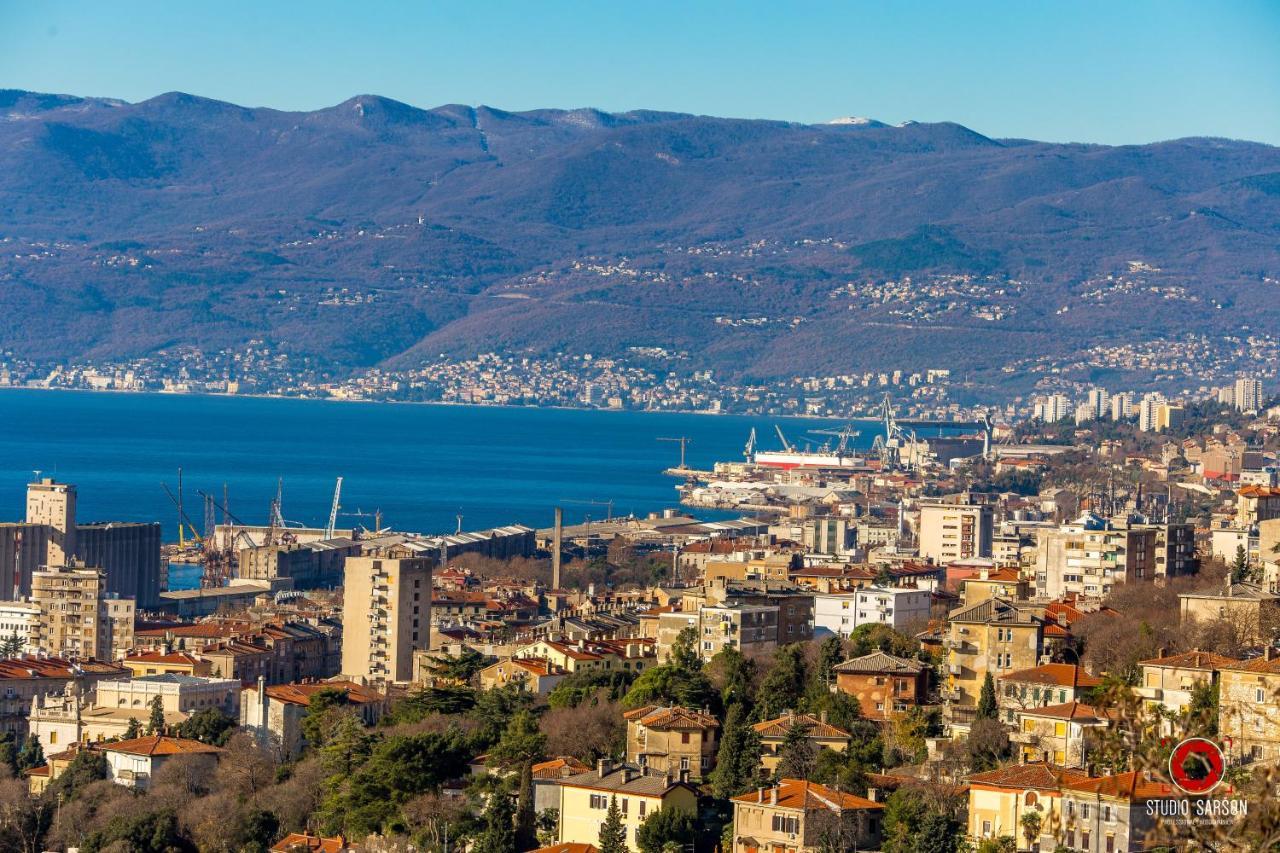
<point x="789" y="457"/>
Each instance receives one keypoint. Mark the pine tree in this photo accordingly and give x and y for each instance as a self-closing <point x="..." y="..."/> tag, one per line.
<point x="783" y="688"/>
<point x="134" y="729"/>
<point x="31" y="754"/>
<point x="987" y="707"/>
<point x="1240" y="567"/>
<point x="526" y="819"/>
<point x="738" y="760"/>
<point x="498" y="835"/>
<point x="798" y="753"/>
<point x="155" y="724"/>
<point x="613" y="833"/>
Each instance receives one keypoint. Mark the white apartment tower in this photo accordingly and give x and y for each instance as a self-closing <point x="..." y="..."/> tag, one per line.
<point x="1248" y="395"/>
<point x="54" y="504"/>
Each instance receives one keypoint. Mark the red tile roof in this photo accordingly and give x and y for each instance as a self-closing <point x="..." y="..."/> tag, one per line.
<point x="810" y="796"/>
<point x="302" y="841"/>
<point x="780" y="726"/>
<point x="1056" y="674"/>
<point x="301" y="694"/>
<point x="159" y="745"/>
<point x="1039" y="775"/>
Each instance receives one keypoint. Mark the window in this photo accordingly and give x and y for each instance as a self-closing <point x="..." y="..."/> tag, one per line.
<point x="684" y="737"/>
<point x="1084" y="839"/>
<point x="1111" y="844"/>
<point x="986" y="828"/>
<point x="625" y="803"/>
<point x="1084" y="811"/>
<point x="599" y="801"/>
<point x="786" y="825"/>
<point x="641" y="812"/>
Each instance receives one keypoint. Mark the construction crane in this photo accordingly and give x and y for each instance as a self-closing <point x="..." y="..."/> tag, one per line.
<point x="749" y="451"/>
<point x="608" y="505"/>
<point x="685" y="441"/>
<point x="218" y="561"/>
<point x="182" y="515"/>
<point x="786" y="445"/>
<point x="333" y="510"/>
<point x="845" y="434"/>
<point x="376" y="515"/>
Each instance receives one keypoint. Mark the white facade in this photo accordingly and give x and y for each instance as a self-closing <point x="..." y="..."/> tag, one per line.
<point x="899" y="608"/>
<point x="20" y="619"/>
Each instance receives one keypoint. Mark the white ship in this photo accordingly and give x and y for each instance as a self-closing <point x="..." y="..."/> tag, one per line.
<point x="840" y="456"/>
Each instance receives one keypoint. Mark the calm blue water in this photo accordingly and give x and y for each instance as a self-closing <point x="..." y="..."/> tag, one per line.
<point x="421" y="465"/>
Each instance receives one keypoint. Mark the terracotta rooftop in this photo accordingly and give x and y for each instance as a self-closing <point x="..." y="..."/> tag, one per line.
<point x="556" y="767"/>
<point x="817" y="728"/>
<point x="569" y="847"/>
<point x="1068" y="711"/>
<point x="878" y="662"/>
<point x="1055" y="674"/>
<point x="810" y="796"/>
<point x="301" y="694"/>
<point x="1039" y="775"/>
<point x="1134" y="785"/>
<point x="302" y="841"/>
<point x="675" y="718"/>
<point x="1191" y="660"/>
<point x="160" y="745"/>
<point x="172" y="658"/>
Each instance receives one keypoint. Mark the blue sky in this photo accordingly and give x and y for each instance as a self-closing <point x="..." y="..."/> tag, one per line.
<point x="1113" y="72"/>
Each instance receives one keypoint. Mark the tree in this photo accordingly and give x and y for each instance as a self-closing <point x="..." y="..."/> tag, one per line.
<point x="526" y="818"/>
<point x="613" y="833"/>
<point x="783" y="687"/>
<point x="799" y="756"/>
<point x="1031" y="823"/>
<point x="684" y="651"/>
<point x="734" y="674"/>
<point x="988" y="708"/>
<point x="1240" y="566"/>
<point x="323" y="710"/>
<point x="347" y="746"/>
<point x="210" y="726"/>
<point x="988" y="744"/>
<point x="134" y="729"/>
<point x="31" y="754"/>
<point x="521" y="742"/>
<point x="11" y="646"/>
<point x="155" y="723"/>
<point x="738" y="759"/>
<point x="671" y="684"/>
<point x="663" y="827"/>
<point x="939" y="833"/>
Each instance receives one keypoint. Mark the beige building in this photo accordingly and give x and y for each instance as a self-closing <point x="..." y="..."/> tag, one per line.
<point x="671" y="740"/>
<point x="1057" y="733"/>
<point x="386" y="614"/>
<point x="773" y="733"/>
<point x="1090" y="556"/>
<point x="1249" y="709"/>
<point x="54" y="504"/>
<point x="797" y="816"/>
<point x="995" y="636"/>
<point x="955" y="531"/>
<point x="274" y="713"/>
<point x="80" y="619"/>
<point x="1253" y="611"/>
<point x="1170" y="681"/>
<point x="1000" y="799"/>
<point x="585" y="798"/>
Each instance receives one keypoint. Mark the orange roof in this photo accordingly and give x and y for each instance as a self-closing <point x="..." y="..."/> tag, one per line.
<point x="817" y="728"/>
<point x="1191" y="660"/>
<point x="1134" y="785"/>
<point x="1057" y="674"/>
<point x="810" y="796"/>
<point x="677" y="718"/>
<point x="1068" y="711"/>
<point x="551" y="769"/>
<point x="1039" y="775"/>
<point x="159" y="745"/>
<point x="302" y="841"/>
<point x="301" y="694"/>
<point x="569" y="847"/>
<point x="1259" y="492"/>
<point x="157" y="657"/>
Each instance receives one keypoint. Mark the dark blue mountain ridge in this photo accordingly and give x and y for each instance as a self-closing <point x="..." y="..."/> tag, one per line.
<point x="472" y="229"/>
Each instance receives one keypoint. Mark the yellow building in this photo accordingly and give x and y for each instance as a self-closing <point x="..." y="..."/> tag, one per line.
<point x="1056" y="733"/>
<point x="1249" y="708"/>
<point x="999" y="800"/>
<point x="671" y="740"/>
<point x="797" y="816"/>
<point x="585" y="797"/>
<point x="166" y="663"/>
<point x="386" y="615"/>
<point x="1170" y="681"/>
<point x="774" y="732"/>
<point x="995" y="636"/>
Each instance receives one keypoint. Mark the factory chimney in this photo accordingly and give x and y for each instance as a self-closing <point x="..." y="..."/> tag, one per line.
<point x="555" y="548"/>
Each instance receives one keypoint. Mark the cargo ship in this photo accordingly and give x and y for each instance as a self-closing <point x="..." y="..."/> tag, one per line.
<point x="789" y="457"/>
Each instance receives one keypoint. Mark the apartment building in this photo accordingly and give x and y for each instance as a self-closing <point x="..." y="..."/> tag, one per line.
<point x="1090" y="556"/>
<point x="995" y="636"/>
<point x="386" y="614"/>
<point x="80" y="619"/>
<point x="585" y="798"/>
<point x="671" y="740"/>
<point x="901" y="608"/>
<point x="884" y="684"/>
<point x="950" y="531"/>
<point x="798" y="816"/>
<point x="53" y="504"/>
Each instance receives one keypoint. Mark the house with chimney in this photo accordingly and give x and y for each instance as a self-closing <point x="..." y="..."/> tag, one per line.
<point x="884" y="685"/>
<point x="585" y="799"/>
<point x="774" y="732"/>
<point x="665" y="739"/>
<point x="274" y="713"/>
<point x="798" y="816"/>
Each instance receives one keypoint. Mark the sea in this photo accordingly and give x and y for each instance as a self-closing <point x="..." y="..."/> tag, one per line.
<point x="422" y="466"/>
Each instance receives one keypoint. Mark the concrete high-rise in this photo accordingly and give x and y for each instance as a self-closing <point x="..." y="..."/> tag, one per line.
<point x="386" y="614"/>
<point x="79" y="618"/>
<point x="1248" y="395"/>
<point x="54" y="504"/>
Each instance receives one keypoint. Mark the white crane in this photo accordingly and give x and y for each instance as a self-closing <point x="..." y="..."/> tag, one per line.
<point x="333" y="511"/>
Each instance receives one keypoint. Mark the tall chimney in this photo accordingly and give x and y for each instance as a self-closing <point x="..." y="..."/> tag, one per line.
<point x="557" y="539"/>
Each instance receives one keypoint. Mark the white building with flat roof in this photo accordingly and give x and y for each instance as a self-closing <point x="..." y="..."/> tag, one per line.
<point x="901" y="608"/>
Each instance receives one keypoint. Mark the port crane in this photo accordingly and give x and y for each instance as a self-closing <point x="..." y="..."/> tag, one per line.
<point x="218" y="560"/>
<point x="183" y="519"/>
<point x="333" y="510"/>
<point x="845" y="434"/>
<point x="749" y="451"/>
<point x="786" y="445"/>
<point x="685" y="441"/>
<point x="608" y="505"/>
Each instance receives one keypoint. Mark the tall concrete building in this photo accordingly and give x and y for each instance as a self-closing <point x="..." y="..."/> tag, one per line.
<point x="386" y="614"/>
<point x="128" y="553"/>
<point x="950" y="532"/>
<point x="24" y="548"/>
<point x="54" y="504"/>
<point x="1248" y="395"/>
<point x="80" y="619"/>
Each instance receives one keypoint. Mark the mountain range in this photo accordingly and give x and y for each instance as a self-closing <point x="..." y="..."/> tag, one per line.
<point x="374" y="233"/>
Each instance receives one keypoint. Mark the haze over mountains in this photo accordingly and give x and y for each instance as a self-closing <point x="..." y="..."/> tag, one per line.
<point x="373" y="232"/>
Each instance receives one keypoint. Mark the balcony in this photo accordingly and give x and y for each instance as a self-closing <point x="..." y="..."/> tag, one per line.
<point x="1154" y="693"/>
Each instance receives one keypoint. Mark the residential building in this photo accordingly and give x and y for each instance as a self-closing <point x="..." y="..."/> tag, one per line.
<point x="134" y="763"/>
<point x="951" y="531"/>
<point x="301" y="842"/>
<point x="536" y="675"/>
<point x="166" y="663"/>
<point x="1170" y="681"/>
<point x="1047" y="684"/>
<point x="1253" y="611"/>
<point x="1247" y="396"/>
<point x="1000" y="799"/>
<point x="53" y="504"/>
<point x="798" y="816"/>
<point x="995" y="636"/>
<point x="750" y="628"/>
<point x="24" y="680"/>
<point x="386" y="614"/>
<point x="1091" y="555"/>
<point x="274" y="713"/>
<point x="1058" y="734"/>
<point x="1248" y="699"/>
<point x="884" y="684"/>
<point x="585" y="799"/>
<point x="901" y="608"/>
<point x="773" y="733"/>
<point x="671" y="740"/>
<point x="20" y="625"/>
<point x="80" y="618"/>
<point x="1111" y="813"/>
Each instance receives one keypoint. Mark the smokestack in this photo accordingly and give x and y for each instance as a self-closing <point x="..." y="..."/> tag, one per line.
<point x="557" y="538"/>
